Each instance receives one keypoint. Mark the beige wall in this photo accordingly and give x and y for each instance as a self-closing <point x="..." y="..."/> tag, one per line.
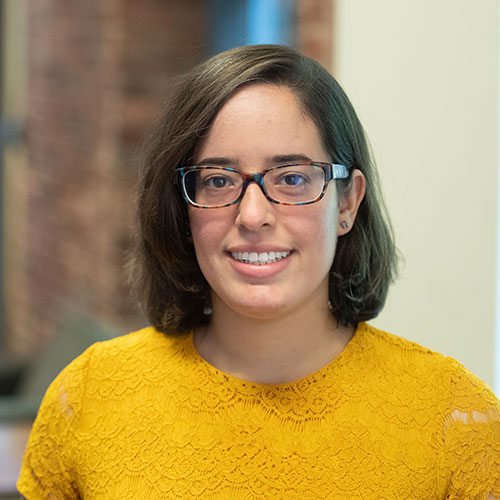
<point x="423" y="77"/>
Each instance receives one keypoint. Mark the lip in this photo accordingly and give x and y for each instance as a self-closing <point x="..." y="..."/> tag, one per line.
<point x="256" y="271"/>
<point x="258" y="248"/>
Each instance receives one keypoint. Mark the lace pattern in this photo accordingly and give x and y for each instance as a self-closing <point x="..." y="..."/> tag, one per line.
<point x="143" y="416"/>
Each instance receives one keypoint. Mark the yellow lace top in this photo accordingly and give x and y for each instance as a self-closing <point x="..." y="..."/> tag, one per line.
<point x="144" y="417"/>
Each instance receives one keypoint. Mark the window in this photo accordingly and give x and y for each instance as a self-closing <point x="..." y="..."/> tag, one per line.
<point x="246" y="22"/>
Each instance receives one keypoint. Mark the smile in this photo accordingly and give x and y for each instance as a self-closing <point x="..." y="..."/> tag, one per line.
<point x="259" y="259"/>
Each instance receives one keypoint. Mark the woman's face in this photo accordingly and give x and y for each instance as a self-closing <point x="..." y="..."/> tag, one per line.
<point x="257" y="128"/>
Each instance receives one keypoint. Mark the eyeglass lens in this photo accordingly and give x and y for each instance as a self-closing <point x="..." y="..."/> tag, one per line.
<point x="290" y="184"/>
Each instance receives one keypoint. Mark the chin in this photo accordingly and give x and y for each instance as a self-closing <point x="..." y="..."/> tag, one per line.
<point x="259" y="309"/>
<point x="265" y="313"/>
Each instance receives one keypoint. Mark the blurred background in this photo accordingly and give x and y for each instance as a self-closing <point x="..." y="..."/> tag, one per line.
<point x="81" y="82"/>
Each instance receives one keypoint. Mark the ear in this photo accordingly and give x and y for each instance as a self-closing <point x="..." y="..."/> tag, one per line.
<point x="350" y="201"/>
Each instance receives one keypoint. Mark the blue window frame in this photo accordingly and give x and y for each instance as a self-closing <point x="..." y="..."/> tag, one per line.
<point x="248" y="22"/>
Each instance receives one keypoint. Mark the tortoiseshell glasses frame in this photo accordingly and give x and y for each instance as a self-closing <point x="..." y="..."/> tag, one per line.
<point x="187" y="181"/>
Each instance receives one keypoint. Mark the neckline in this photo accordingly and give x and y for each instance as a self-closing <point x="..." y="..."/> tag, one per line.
<point x="353" y="347"/>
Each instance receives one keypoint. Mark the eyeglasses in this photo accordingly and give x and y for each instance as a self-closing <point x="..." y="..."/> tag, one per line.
<point x="290" y="184"/>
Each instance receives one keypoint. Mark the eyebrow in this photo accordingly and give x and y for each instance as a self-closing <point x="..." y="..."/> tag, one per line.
<point x="289" y="158"/>
<point x="217" y="160"/>
<point x="275" y="160"/>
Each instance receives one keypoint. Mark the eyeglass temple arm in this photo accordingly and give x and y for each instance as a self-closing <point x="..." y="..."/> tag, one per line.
<point x="337" y="171"/>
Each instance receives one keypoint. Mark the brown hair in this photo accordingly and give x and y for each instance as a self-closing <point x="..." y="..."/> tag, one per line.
<point x="170" y="285"/>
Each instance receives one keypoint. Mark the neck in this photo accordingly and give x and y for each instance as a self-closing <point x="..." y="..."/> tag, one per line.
<point x="275" y="350"/>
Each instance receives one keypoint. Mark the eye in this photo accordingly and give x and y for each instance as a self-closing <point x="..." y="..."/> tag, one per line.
<point x="216" y="181"/>
<point x="292" y="179"/>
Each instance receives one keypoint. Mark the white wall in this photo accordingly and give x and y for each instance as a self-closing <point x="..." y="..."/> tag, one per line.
<point x="423" y="77"/>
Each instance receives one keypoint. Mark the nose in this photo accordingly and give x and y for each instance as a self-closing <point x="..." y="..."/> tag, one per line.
<point x="254" y="209"/>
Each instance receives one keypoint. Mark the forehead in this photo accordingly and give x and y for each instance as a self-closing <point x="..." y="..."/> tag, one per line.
<point x="262" y="120"/>
<point x="246" y="97"/>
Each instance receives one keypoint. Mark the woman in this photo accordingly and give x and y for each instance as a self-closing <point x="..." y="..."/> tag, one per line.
<point x="263" y="247"/>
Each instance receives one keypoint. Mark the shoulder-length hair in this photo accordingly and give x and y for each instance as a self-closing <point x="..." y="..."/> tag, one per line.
<point x="167" y="278"/>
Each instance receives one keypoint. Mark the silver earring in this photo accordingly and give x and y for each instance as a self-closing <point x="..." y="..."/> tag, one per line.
<point x="207" y="310"/>
<point x="344" y="224"/>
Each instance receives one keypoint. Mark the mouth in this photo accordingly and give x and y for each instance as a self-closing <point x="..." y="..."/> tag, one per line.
<point x="259" y="258"/>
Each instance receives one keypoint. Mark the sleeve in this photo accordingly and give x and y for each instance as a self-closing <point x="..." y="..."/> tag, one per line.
<point x="48" y="466"/>
<point x="471" y="433"/>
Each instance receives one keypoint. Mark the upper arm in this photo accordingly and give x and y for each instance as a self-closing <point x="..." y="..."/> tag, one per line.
<point x="47" y="469"/>
<point x="471" y="433"/>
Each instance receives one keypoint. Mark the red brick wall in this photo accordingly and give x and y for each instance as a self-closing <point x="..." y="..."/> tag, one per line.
<point x="96" y="74"/>
<point x="314" y="29"/>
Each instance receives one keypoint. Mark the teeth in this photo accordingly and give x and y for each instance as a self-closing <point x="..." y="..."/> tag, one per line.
<point x="263" y="258"/>
<point x="259" y="258"/>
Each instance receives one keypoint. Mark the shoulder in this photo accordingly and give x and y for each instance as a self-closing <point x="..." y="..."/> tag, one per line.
<point x="430" y="371"/>
<point x="142" y="350"/>
<point x="122" y="360"/>
<point x="388" y="342"/>
<point x="118" y="364"/>
<point x="142" y="342"/>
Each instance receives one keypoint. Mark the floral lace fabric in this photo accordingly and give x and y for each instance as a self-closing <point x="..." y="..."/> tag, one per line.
<point x="143" y="416"/>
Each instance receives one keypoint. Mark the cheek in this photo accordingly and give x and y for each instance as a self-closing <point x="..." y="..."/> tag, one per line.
<point x="328" y="231"/>
<point x="207" y="231"/>
<point x="325" y="231"/>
